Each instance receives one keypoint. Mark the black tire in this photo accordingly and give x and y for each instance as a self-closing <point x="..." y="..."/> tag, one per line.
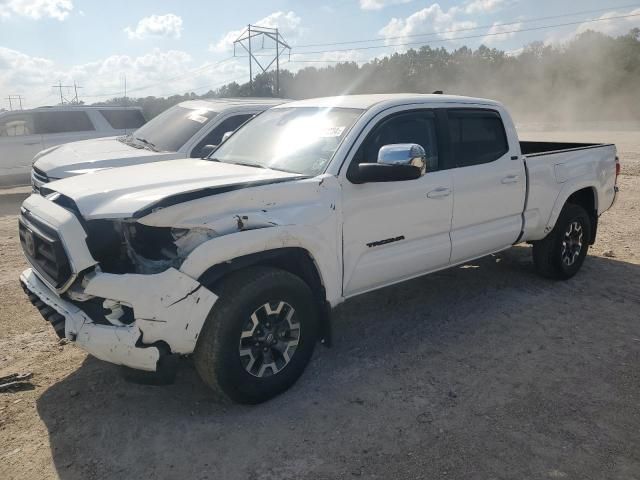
<point x="549" y="256"/>
<point x="217" y="355"/>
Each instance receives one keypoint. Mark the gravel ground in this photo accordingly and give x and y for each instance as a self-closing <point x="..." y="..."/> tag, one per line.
<point x="483" y="371"/>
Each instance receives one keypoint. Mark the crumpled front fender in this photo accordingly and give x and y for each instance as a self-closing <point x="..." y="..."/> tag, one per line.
<point x="169" y="307"/>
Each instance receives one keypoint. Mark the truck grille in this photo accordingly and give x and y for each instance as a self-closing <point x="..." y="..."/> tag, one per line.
<point x="38" y="178"/>
<point x="44" y="250"/>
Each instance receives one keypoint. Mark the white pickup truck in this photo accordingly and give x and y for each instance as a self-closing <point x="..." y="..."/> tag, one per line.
<point x="238" y="259"/>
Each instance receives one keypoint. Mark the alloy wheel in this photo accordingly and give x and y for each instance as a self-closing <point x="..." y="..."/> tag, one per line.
<point x="269" y="339"/>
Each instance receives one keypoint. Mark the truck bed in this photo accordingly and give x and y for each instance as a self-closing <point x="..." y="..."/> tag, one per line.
<point x="533" y="149"/>
<point x="555" y="170"/>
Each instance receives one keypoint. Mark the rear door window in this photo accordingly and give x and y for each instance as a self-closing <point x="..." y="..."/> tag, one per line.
<point x="477" y="136"/>
<point x="123" y="119"/>
<point x="62" y="122"/>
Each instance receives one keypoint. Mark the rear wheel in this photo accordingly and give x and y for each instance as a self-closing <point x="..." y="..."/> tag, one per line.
<point x="561" y="253"/>
<point x="259" y="336"/>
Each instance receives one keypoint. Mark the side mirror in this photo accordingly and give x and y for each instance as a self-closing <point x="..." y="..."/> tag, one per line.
<point x="378" y="172"/>
<point x="404" y="154"/>
<point x="226" y="135"/>
<point x="206" y="150"/>
<point x="396" y="162"/>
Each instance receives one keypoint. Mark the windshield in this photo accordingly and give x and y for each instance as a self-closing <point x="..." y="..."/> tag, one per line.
<point x="170" y="130"/>
<point x="300" y="140"/>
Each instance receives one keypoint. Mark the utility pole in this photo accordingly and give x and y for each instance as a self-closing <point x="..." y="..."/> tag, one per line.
<point x="13" y="98"/>
<point x="250" y="62"/>
<point x="75" y="89"/>
<point x="244" y="40"/>
<point x="60" y="87"/>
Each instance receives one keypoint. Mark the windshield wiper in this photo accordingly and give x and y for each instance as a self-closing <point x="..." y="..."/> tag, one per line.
<point x="128" y="140"/>
<point x="248" y="164"/>
<point x="148" y="144"/>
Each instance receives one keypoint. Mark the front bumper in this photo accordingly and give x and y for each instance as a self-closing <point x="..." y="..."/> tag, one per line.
<point x="169" y="309"/>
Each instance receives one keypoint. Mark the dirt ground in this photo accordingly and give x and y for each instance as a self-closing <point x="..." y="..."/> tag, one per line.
<point x="484" y="371"/>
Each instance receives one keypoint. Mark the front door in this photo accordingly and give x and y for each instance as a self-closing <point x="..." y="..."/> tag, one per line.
<point x="396" y="230"/>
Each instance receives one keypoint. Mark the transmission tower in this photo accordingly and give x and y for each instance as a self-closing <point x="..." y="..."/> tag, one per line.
<point x="13" y="98"/>
<point x="248" y="38"/>
<point x="75" y="87"/>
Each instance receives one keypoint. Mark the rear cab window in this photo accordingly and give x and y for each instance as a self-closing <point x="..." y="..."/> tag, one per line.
<point x="476" y="136"/>
<point x="123" y="119"/>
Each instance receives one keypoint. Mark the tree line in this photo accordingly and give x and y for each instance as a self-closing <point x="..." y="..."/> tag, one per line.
<point x="593" y="77"/>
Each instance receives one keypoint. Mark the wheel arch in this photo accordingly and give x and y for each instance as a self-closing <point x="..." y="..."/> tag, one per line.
<point x="585" y="196"/>
<point x="295" y="260"/>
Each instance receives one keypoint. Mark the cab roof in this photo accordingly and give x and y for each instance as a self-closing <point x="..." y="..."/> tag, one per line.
<point x="365" y="102"/>
<point x="222" y="104"/>
<point x="67" y="108"/>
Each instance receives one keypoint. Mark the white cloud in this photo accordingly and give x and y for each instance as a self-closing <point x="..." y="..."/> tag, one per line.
<point x="441" y="23"/>
<point x="428" y="20"/>
<point x="19" y="69"/>
<point x="288" y="24"/>
<point x="500" y="32"/>
<point x="482" y="6"/>
<point x="36" y="9"/>
<point x="168" y="25"/>
<point x="608" y="25"/>
<point x="157" y="72"/>
<point x="612" y="26"/>
<point x="380" y="4"/>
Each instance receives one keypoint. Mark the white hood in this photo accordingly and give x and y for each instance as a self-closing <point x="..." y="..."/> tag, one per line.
<point x="123" y="192"/>
<point x="88" y="155"/>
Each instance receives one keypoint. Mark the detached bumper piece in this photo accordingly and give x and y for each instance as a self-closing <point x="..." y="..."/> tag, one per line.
<point x="48" y="313"/>
<point x="113" y="344"/>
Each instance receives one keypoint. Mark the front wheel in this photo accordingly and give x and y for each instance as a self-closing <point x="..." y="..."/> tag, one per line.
<point x="561" y="253"/>
<point x="259" y="336"/>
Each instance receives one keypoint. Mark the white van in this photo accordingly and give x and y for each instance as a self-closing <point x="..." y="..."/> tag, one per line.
<point x="188" y="129"/>
<point x="24" y="133"/>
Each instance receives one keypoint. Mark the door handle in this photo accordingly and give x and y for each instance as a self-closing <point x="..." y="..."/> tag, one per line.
<point x="511" y="179"/>
<point x="32" y="143"/>
<point x="439" y="192"/>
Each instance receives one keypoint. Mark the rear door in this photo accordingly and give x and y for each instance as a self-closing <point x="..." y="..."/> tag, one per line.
<point x="489" y="184"/>
<point x="19" y="142"/>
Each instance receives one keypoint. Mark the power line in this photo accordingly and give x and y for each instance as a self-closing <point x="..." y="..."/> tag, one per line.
<point x="456" y="30"/>
<point x="372" y="47"/>
<point x="178" y="77"/>
<point x="488" y="34"/>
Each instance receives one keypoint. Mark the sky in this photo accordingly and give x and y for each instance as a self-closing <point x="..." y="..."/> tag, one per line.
<point x="164" y="47"/>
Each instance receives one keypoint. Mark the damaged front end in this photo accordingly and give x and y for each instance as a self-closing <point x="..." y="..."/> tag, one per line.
<point x="128" y="246"/>
<point x="125" y="302"/>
